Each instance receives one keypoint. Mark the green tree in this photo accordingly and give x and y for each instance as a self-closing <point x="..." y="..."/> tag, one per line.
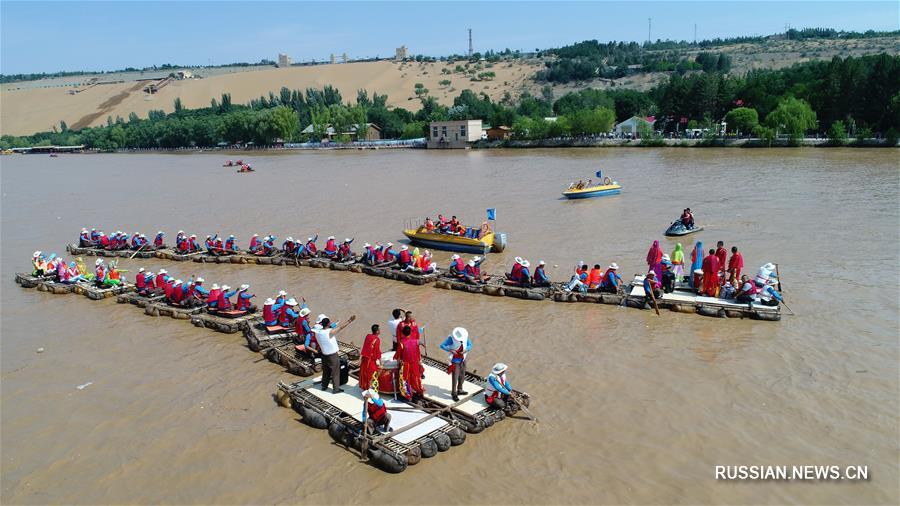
<point x="837" y="134"/>
<point x="794" y="117"/>
<point x="286" y="122"/>
<point x="742" y="120"/>
<point x="178" y="106"/>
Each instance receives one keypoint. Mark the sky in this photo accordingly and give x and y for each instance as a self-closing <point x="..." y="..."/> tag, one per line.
<point x="53" y="36"/>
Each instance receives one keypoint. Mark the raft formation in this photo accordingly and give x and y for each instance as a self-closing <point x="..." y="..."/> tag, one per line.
<point x="724" y="294"/>
<point x="392" y="432"/>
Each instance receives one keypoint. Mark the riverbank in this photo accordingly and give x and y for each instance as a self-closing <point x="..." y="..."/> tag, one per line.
<point x="677" y="143"/>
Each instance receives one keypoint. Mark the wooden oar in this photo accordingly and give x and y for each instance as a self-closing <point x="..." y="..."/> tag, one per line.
<point x="138" y="251"/>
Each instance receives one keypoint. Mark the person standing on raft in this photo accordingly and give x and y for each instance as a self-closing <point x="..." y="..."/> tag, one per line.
<point x="411" y="370"/>
<point x="710" y="274"/>
<point x="654" y="257"/>
<point x="722" y="255"/>
<point x="735" y="264"/>
<point x="370" y="357"/>
<point x="677" y="258"/>
<point x="326" y="336"/>
<point x="458" y="345"/>
<point x="374" y="413"/>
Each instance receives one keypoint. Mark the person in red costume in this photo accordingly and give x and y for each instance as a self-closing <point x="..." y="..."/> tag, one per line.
<point x="370" y="357"/>
<point x="710" y="274"/>
<point x="411" y="370"/>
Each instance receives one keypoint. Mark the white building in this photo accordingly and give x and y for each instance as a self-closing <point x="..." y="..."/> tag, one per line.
<point x="454" y="134"/>
<point x="633" y="125"/>
<point x="284" y="60"/>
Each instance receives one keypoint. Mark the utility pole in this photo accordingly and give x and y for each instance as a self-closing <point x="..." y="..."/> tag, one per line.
<point x="695" y="34"/>
<point x="649" y="38"/>
<point x="470" y="44"/>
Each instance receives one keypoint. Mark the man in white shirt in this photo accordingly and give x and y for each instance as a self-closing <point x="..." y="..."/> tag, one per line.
<point x="392" y="324"/>
<point x="326" y="336"/>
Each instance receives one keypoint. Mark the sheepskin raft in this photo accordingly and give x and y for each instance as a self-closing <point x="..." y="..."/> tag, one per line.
<point x="684" y="300"/>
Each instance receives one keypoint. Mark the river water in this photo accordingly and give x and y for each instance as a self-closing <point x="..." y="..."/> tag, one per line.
<point x="633" y="407"/>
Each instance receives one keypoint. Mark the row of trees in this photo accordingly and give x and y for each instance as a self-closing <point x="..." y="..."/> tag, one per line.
<point x="851" y="95"/>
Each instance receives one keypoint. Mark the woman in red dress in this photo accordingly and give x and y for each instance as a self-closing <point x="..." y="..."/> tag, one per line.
<point x="370" y="358"/>
<point x="410" y="359"/>
<point x="711" y="274"/>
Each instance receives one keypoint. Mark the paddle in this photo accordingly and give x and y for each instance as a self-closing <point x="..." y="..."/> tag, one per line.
<point x="138" y="251"/>
<point x="518" y="400"/>
<point x="781" y="290"/>
<point x="653" y="298"/>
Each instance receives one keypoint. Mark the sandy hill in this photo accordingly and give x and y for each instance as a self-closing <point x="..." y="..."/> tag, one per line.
<point x="25" y="110"/>
<point x="34" y="106"/>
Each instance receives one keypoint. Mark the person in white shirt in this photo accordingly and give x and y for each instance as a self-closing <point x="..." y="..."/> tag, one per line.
<point x="392" y="324"/>
<point x="326" y="335"/>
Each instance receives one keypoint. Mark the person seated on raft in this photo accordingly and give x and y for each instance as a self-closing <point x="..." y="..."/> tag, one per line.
<point x="140" y="281"/>
<point x="190" y="297"/>
<point x="39" y="266"/>
<point x="344" y="254"/>
<point x="289" y="313"/>
<point x="540" y="278"/>
<point x="579" y="279"/>
<point x="388" y="255"/>
<point x="595" y="277"/>
<point x="485" y="230"/>
<point x="429" y="225"/>
<point x="70" y="274"/>
<point x="223" y="298"/>
<point x="768" y="296"/>
<point x="457" y="267"/>
<point x="99" y="272"/>
<point x="159" y="242"/>
<point x="138" y="241"/>
<point x="102" y="241"/>
<point x="374" y="414"/>
<point x="175" y="293"/>
<point x="424" y="264"/>
<point x="210" y="244"/>
<point x="520" y="275"/>
<point x="516" y="269"/>
<point x="199" y="289"/>
<point x="84" y="239"/>
<point x="330" y="250"/>
<point x="305" y="335"/>
<point x="270" y="318"/>
<point x="651" y="284"/>
<point x="472" y="273"/>
<point x="498" y="392"/>
<point x="230" y="247"/>
<point x="255" y="243"/>
<point x="404" y="258"/>
<point x="267" y="248"/>
<point x="727" y="291"/>
<point x="368" y="254"/>
<point x="611" y="280"/>
<point x="287" y="247"/>
<point x="309" y="250"/>
<point x="668" y="274"/>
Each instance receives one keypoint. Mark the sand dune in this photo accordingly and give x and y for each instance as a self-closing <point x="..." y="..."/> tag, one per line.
<point x="25" y="111"/>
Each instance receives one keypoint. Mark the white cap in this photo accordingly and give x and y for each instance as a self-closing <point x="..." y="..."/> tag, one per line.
<point x="269" y="301"/>
<point x="404" y="247"/>
<point x="347" y="239"/>
<point x="255" y="235"/>
<point x="244" y="287"/>
<point x="200" y="280"/>
<point x="460" y="334"/>
<point x="209" y="236"/>
<point x="542" y="263"/>
<point x="499" y="368"/>
<point x="320" y="318"/>
<point x="292" y="302"/>
<point x="390" y="244"/>
<point x="651" y="273"/>
<point x="225" y="287"/>
<point x="476" y="258"/>
<point x="309" y="239"/>
<point x="472" y="263"/>
<point x="99" y="261"/>
<point x="368" y="245"/>
<point x="289" y="238"/>
<point x="282" y="293"/>
<point x="37" y="253"/>
<point x="331" y="237"/>
<point x="666" y="257"/>
<point x="370" y="393"/>
<point x="454" y="257"/>
<point x="304" y="311"/>
<point x="181" y="231"/>
<point x="160" y="232"/>
<point x="177" y="281"/>
<point x="141" y="269"/>
<point x="613" y="266"/>
<point x="163" y="271"/>
<point x="526" y="263"/>
<point x="518" y="260"/>
<point x="215" y="286"/>
<point x="769" y="266"/>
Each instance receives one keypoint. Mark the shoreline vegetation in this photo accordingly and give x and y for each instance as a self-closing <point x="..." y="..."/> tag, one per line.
<point x="845" y="101"/>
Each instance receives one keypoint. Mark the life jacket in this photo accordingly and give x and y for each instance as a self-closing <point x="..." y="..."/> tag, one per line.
<point x="516" y="271"/>
<point x="375" y="411"/>
<point x="429" y="225"/>
<point x="426" y="263"/>
<point x="269" y="315"/>
<point x="379" y="256"/>
<point x="176" y="294"/>
<point x="218" y="246"/>
<point x="95" y="235"/>
<point x="99" y="273"/>
<point x="213" y="296"/>
<point x="85" y="237"/>
<point x="330" y="247"/>
<point x="158" y="240"/>
<point x="387" y="256"/>
<point x="242" y="302"/>
<point x="605" y="281"/>
<point x="470" y="271"/>
<point x="222" y="302"/>
<point x="298" y="328"/>
<point x="160" y="280"/>
<point x="405" y="258"/>
<point x="752" y="291"/>
<point x="288" y="247"/>
<point x="594" y="277"/>
<point x="311" y="248"/>
<point x="210" y="244"/>
<point x="140" y="281"/>
<point x="539" y="275"/>
<point x="458" y="265"/>
<point x="148" y="282"/>
<point x="345" y="249"/>
<point x="229" y="245"/>
<point x="489" y="391"/>
<point x="104" y="241"/>
<point x="254" y="243"/>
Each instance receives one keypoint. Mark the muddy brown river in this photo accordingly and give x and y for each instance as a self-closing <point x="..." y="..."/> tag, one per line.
<point x="633" y="407"/>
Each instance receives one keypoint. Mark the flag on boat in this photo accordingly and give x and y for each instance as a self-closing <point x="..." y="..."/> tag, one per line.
<point x="599" y="174"/>
<point x="492" y="214"/>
